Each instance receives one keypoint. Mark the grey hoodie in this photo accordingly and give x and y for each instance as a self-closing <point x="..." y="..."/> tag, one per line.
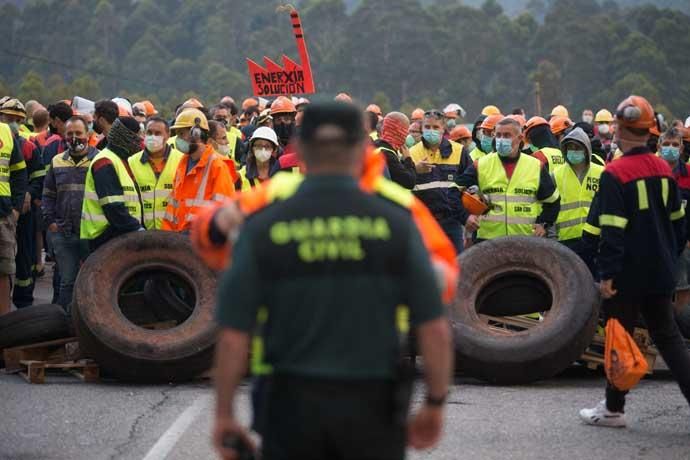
<point x="579" y="136"/>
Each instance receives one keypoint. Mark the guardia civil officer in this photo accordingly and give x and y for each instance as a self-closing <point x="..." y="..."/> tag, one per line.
<point x="333" y="322"/>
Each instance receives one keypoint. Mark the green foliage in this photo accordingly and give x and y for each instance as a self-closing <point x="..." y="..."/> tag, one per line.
<point x="396" y="53"/>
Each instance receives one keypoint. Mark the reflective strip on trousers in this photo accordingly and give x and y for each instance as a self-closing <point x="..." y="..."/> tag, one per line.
<point x="23" y="283"/>
<point x="498" y="198"/>
<point x="91" y="196"/>
<point x="37" y="174"/>
<point x="510" y="220"/>
<point x="433" y="185"/>
<point x="93" y="217"/>
<point x="72" y="188"/>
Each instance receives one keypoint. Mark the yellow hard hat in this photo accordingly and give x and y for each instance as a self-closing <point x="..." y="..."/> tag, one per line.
<point x="603" y="116"/>
<point x="560" y="111"/>
<point x="189" y="118"/>
<point x="491" y="110"/>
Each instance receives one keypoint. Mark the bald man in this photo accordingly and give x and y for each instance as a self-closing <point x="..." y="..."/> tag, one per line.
<point x="391" y="143"/>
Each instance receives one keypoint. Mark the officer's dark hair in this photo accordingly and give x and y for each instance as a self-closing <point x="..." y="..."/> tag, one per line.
<point x="231" y="107"/>
<point x="158" y="120"/>
<point x="372" y="120"/>
<point x="321" y="145"/>
<point x="106" y="109"/>
<point x="78" y="118"/>
<point x="60" y="110"/>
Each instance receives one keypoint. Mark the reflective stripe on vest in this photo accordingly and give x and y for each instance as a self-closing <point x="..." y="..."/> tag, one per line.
<point x="514" y="207"/>
<point x="576" y="199"/>
<point x="155" y="191"/>
<point x="199" y="199"/>
<point x="93" y="219"/>
<point x="6" y="146"/>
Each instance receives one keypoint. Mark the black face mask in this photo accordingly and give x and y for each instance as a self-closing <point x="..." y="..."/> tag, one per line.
<point x="97" y="127"/>
<point x="284" y="132"/>
<point x="77" y="146"/>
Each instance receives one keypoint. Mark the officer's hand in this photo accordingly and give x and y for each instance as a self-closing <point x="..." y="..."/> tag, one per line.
<point x="606" y="289"/>
<point x="224" y="428"/>
<point x="15" y="215"/>
<point x="53" y="228"/>
<point x="228" y="219"/>
<point x="424" y="167"/>
<point x="472" y="224"/>
<point x="424" y="430"/>
<point x="26" y="207"/>
<point x="539" y="230"/>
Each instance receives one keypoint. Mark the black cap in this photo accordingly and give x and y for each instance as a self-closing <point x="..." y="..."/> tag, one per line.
<point x="345" y="116"/>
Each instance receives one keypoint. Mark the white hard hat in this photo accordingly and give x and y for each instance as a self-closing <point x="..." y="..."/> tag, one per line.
<point x="455" y="108"/>
<point x="83" y="106"/>
<point x="124" y="103"/>
<point x="687" y="122"/>
<point x="266" y="134"/>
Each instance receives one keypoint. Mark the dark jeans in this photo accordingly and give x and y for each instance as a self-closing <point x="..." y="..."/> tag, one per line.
<point x="23" y="293"/>
<point x="314" y="419"/>
<point x="657" y="313"/>
<point x="66" y="251"/>
<point x="453" y="230"/>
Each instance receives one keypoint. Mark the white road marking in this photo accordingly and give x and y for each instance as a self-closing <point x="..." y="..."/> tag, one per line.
<point x="167" y="441"/>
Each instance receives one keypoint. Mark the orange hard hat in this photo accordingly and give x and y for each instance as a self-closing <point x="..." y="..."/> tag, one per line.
<point x="460" y="132"/>
<point x="343" y="97"/>
<point x="491" y="121"/>
<point x="686" y="134"/>
<point x="282" y="105"/>
<point x="193" y="103"/>
<point x="635" y="112"/>
<point x="249" y="102"/>
<point x="559" y="124"/>
<point x="534" y="122"/>
<point x="519" y="118"/>
<point x="373" y="108"/>
<point x="417" y="114"/>
<point x="654" y="131"/>
<point x="473" y="204"/>
<point x="149" y="108"/>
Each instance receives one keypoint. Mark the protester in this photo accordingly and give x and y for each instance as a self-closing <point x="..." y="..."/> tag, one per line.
<point x="59" y="113"/>
<point x="235" y="147"/>
<point x="392" y="145"/>
<point x="103" y="118"/>
<point x="262" y="154"/>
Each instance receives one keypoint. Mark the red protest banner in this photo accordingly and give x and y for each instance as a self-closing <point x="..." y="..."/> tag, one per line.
<point x="291" y="78"/>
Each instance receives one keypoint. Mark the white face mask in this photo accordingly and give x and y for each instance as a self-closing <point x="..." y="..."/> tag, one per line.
<point x="224" y="149"/>
<point x="587" y="119"/>
<point x="154" y="143"/>
<point x="604" y="128"/>
<point x="262" y="155"/>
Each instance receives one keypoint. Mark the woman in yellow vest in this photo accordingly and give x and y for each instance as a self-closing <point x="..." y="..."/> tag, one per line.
<point x="261" y="156"/>
<point x="578" y="183"/>
<point x="154" y="171"/>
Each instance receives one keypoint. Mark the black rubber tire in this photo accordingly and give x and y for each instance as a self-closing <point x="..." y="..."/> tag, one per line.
<point x="37" y="323"/>
<point x="561" y="284"/>
<point x="160" y="293"/>
<point x="122" y="348"/>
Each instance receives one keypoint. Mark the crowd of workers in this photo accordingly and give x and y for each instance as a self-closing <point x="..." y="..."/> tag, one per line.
<point x="76" y="174"/>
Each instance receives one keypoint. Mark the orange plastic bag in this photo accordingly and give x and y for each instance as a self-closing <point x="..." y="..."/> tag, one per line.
<point x="624" y="363"/>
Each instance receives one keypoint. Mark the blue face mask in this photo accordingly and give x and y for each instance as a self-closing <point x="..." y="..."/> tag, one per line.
<point x="575" y="157"/>
<point x="410" y="141"/>
<point x="451" y="123"/>
<point x="432" y="136"/>
<point x="670" y="153"/>
<point x="486" y="143"/>
<point x="504" y="147"/>
<point x="182" y="145"/>
<point x="89" y="127"/>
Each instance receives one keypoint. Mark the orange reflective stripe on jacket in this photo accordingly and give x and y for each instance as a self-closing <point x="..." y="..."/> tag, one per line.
<point x="208" y="182"/>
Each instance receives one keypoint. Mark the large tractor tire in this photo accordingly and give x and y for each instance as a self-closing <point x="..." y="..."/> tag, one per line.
<point x="114" y="309"/>
<point x="37" y="323"/>
<point x="518" y="276"/>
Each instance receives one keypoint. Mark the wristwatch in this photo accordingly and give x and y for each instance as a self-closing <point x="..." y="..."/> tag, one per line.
<point x="434" y="401"/>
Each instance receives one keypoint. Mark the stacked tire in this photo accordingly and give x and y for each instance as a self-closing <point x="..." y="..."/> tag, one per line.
<point x="125" y="285"/>
<point x="517" y="276"/>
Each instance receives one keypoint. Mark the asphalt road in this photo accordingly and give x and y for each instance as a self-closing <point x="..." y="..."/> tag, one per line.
<point x="68" y="419"/>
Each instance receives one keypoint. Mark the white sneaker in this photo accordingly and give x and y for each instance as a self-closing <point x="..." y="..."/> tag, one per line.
<point x="601" y="416"/>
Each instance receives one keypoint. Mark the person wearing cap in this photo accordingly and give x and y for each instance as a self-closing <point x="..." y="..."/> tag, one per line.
<point x="14" y="184"/>
<point x="604" y="131"/>
<point x="154" y="171"/>
<point x="301" y="104"/>
<point x="391" y="144"/>
<point x="485" y="136"/>
<point x="262" y="152"/>
<point x="202" y="176"/>
<point x="559" y="111"/>
<point x="283" y="112"/>
<point x="559" y="126"/>
<point x="577" y="182"/>
<point x="642" y="234"/>
<point x="438" y="161"/>
<point x="13" y="113"/>
<point x="453" y="113"/>
<point x="112" y="203"/>
<point x="219" y="141"/>
<point x="542" y="143"/>
<point x="523" y="199"/>
<point x="462" y="136"/>
<point x="323" y="385"/>
<point x="223" y="114"/>
<point x="491" y="110"/>
<point x="104" y="116"/>
<point x="61" y="205"/>
<point x="59" y="113"/>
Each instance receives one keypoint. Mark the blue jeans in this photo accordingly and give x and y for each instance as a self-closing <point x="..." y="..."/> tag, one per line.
<point x="66" y="251"/>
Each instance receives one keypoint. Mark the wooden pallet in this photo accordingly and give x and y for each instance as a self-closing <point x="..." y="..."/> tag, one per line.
<point x="32" y="361"/>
